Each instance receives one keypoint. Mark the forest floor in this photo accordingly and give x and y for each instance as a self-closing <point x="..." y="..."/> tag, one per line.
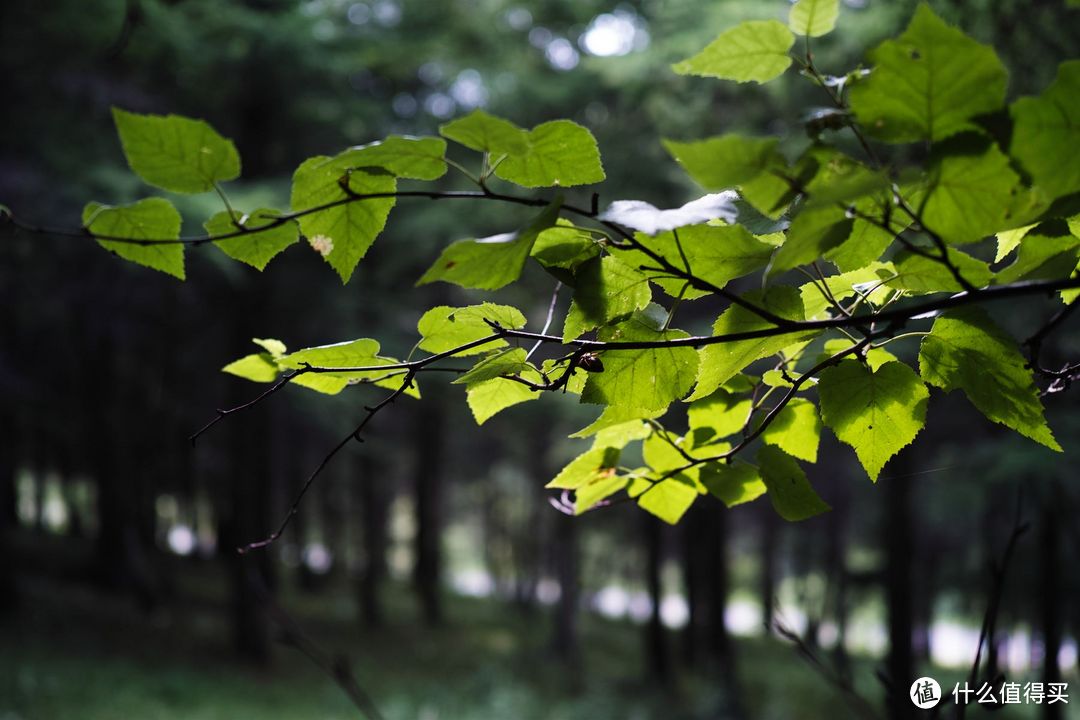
<point x="75" y="653"/>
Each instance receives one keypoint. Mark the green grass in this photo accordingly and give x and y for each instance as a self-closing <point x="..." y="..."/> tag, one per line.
<point x="75" y="654"/>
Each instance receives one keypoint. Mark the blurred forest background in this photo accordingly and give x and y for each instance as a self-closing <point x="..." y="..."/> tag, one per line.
<point x="429" y="555"/>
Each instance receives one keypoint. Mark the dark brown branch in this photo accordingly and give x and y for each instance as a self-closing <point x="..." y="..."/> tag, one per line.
<point x="354" y="435"/>
<point x="335" y="666"/>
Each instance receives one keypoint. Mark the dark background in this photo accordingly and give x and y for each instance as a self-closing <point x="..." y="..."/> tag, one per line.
<point x="429" y="556"/>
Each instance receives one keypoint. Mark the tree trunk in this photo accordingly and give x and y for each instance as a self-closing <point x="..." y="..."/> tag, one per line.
<point x="565" y="551"/>
<point x="373" y="509"/>
<point x="1050" y="592"/>
<point x="657" y="660"/>
<point x="898" y="548"/>
<point x="428" y="444"/>
<point x="770" y="530"/>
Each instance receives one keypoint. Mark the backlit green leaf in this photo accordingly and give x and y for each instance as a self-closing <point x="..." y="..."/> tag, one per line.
<point x="258" y="367"/>
<point x="877" y="412"/>
<point x="966" y="350"/>
<point x="919" y="275"/>
<point x="813" y="17"/>
<point x="725" y="161"/>
<point x="789" y="490"/>
<point x="796" y="430"/>
<point x="753" y="51"/>
<point x="149" y="219"/>
<point x="266" y="235"/>
<point x="557" y="153"/>
<point x="733" y="483"/>
<point x="1046" y="133"/>
<point x="668" y="499"/>
<point x="968" y="196"/>
<point x="928" y="84"/>
<point x="486" y="399"/>
<point x="446" y="328"/>
<point x="401" y="155"/>
<point x="176" y="153"/>
<point x="586" y="468"/>
<point x="493" y="262"/>
<point x="607" y="289"/>
<point x="649" y="379"/>
<point x="721" y="361"/>
<point x="505" y="362"/>
<point x="344" y="230"/>
<point x="1045" y="253"/>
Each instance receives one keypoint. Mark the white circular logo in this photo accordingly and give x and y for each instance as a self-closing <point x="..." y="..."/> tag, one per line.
<point x="925" y="693"/>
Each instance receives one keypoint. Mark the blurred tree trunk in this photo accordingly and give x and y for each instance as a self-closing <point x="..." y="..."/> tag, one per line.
<point x="373" y="509"/>
<point x="566" y="560"/>
<point x="1050" y="592"/>
<point x="428" y="449"/>
<point x="249" y="502"/>
<point x="899" y="545"/>
<point x="695" y="568"/>
<point x="719" y="638"/>
<point x="9" y="595"/>
<point x="836" y="573"/>
<point x="770" y="531"/>
<point x="657" y="658"/>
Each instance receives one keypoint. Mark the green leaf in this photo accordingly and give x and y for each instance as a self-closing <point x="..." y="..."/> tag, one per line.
<point x="648" y="379"/>
<point x="149" y="219"/>
<point x="588" y="467"/>
<point x="267" y="235"/>
<point x="258" y="367"/>
<point x="813" y="17"/>
<point x="967" y="197"/>
<point x="721" y="361"/>
<point x="721" y="414"/>
<point x="875" y="356"/>
<point x="1044" y="254"/>
<point x="493" y="262"/>
<point x="342" y="232"/>
<point x="505" y="362"/>
<point x="668" y="499"/>
<point x="716" y="254"/>
<point x="753" y="51"/>
<point x="445" y="328"/>
<point x="725" y="161"/>
<point x="813" y="232"/>
<point x="486" y="399"/>
<point x="864" y="245"/>
<point x="556" y="153"/>
<point x="867" y="281"/>
<point x="965" y="350"/>
<point x="607" y="289"/>
<point x="1007" y="240"/>
<point x="587" y="496"/>
<point x="928" y="84"/>
<point x="485" y="133"/>
<point x="419" y="158"/>
<point x="176" y="153"/>
<point x="733" y="484"/>
<point x="1046" y="133"/>
<point x="920" y="275"/>
<point x="614" y="416"/>
<point x="796" y="430"/>
<point x="622" y="434"/>
<point x="352" y="353"/>
<point x="565" y="246"/>
<point x="789" y="490"/>
<point x="876" y="412"/>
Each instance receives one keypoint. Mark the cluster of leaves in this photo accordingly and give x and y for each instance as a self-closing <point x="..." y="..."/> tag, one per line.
<point x="847" y="251"/>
